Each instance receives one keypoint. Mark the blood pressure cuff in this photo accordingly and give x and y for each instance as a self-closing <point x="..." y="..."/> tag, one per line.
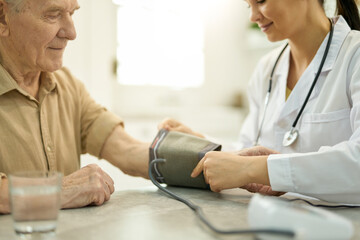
<point x="182" y="153"/>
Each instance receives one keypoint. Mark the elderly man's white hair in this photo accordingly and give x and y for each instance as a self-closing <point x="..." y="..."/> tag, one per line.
<point x="16" y="5"/>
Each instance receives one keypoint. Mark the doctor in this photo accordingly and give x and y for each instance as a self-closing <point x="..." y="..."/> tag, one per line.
<point x="304" y="103"/>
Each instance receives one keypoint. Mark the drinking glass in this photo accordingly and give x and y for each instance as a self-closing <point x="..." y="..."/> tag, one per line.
<point x="35" y="202"/>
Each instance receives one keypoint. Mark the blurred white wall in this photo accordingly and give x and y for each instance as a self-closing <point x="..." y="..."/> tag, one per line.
<point x="230" y="55"/>
<point x="91" y="55"/>
<point x="231" y="52"/>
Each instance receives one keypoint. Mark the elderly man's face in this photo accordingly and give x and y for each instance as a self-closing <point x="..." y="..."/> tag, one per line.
<point x="38" y="35"/>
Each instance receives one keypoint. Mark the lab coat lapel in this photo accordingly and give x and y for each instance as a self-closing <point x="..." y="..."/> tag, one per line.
<point x="280" y="79"/>
<point x="292" y="103"/>
<point x="297" y="97"/>
<point x="300" y="91"/>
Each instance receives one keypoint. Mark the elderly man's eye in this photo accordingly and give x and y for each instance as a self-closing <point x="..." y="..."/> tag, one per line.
<point x="260" y="1"/>
<point x="53" y="16"/>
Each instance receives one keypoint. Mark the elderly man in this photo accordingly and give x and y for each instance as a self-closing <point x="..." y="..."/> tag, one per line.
<point x="47" y="118"/>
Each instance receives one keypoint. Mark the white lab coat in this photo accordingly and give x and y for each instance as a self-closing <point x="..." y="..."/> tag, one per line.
<point x="324" y="162"/>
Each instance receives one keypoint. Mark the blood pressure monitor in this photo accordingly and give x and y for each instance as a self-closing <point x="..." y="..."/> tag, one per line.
<point x="181" y="153"/>
<point x="306" y="221"/>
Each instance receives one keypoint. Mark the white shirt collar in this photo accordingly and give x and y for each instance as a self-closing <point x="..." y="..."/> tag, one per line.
<point x="341" y="30"/>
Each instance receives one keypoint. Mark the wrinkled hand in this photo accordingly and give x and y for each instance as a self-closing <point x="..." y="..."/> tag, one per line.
<point x="256" y="187"/>
<point x="174" y="125"/>
<point x="88" y="186"/>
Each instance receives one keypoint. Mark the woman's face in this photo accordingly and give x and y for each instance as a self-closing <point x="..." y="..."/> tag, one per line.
<point x="278" y="19"/>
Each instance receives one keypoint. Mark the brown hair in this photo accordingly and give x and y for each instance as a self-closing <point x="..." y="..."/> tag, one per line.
<point x="349" y="10"/>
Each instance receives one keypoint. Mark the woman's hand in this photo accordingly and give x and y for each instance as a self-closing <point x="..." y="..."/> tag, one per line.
<point x="227" y="170"/>
<point x="256" y="151"/>
<point x="174" y="125"/>
<point x="261" y="188"/>
<point x="256" y="187"/>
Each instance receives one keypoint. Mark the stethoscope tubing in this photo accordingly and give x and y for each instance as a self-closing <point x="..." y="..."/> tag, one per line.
<point x="267" y="97"/>
<point x="317" y="75"/>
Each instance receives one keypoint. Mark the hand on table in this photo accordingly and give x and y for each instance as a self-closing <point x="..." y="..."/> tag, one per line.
<point x="88" y="186"/>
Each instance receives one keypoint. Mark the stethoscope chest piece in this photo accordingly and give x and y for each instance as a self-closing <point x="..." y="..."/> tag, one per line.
<point x="290" y="137"/>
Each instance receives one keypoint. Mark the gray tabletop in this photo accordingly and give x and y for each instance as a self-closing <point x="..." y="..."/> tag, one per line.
<point x="148" y="214"/>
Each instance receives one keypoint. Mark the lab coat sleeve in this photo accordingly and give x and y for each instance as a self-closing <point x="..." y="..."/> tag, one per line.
<point x="333" y="172"/>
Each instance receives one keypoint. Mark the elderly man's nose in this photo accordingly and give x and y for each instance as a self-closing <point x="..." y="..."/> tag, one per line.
<point x="68" y="30"/>
<point x="71" y="33"/>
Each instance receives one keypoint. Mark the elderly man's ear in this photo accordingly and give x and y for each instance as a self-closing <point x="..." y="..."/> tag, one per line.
<point x="4" y="19"/>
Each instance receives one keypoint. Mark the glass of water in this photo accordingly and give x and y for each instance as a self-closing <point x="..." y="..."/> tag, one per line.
<point x="35" y="202"/>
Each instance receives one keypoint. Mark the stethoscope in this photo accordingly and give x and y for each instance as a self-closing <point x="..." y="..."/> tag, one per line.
<point x="291" y="136"/>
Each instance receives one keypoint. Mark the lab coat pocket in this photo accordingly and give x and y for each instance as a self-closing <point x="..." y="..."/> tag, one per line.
<point x="325" y="129"/>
